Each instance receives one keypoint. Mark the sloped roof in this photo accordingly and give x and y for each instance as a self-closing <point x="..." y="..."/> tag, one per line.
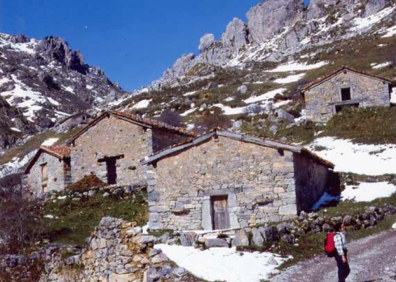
<point x="60" y="152"/>
<point x="333" y="73"/>
<point x="148" y="123"/>
<point x="239" y="137"/>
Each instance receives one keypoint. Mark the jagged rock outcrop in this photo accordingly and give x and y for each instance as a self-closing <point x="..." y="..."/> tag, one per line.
<point x="236" y="35"/>
<point x="271" y="17"/>
<point x="278" y="29"/>
<point x="206" y="42"/>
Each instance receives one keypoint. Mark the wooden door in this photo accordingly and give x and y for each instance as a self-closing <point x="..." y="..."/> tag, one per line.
<point x="220" y="216"/>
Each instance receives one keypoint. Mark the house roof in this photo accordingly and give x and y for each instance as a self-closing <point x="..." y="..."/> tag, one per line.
<point x="239" y="137"/>
<point x="148" y="123"/>
<point x="60" y="152"/>
<point x="335" y="72"/>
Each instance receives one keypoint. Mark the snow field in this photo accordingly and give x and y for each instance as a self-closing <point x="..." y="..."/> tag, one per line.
<point x="367" y="192"/>
<point x="357" y="158"/>
<point x="222" y="264"/>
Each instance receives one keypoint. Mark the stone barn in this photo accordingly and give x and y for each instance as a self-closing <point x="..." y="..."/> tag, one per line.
<point x="343" y="88"/>
<point x="223" y="180"/>
<point x="49" y="170"/>
<point x="112" y="145"/>
<point x="73" y="121"/>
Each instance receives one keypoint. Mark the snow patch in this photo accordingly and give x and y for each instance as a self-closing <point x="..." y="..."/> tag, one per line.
<point x="230" y="111"/>
<point x="357" y="158"/>
<point x="269" y="96"/>
<point x="222" y="264"/>
<point x="363" y="23"/>
<point x="390" y="32"/>
<point x="393" y="96"/>
<point x="367" y="192"/>
<point x="50" y="142"/>
<point x="142" y="104"/>
<point x="290" y="79"/>
<point x="295" y="66"/>
<point x="379" y="66"/>
<point x="15" y="129"/>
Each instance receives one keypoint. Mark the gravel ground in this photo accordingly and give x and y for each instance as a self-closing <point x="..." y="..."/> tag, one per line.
<point x="371" y="259"/>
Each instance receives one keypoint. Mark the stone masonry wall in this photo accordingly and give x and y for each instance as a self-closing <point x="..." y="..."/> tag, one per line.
<point x="368" y="91"/>
<point x="110" y="138"/>
<point x="311" y="181"/>
<point x="57" y="174"/>
<point x="258" y="181"/>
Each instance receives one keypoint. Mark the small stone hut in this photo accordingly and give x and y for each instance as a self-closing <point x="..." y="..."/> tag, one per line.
<point x="112" y="145"/>
<point x="342" y="88"/>
<point x="49" y="170"/>
<point x="223" y="180"/>
<point x="79" y="119"/>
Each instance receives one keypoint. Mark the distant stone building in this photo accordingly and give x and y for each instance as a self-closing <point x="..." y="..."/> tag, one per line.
<point x="72" y="121"/>
<point x="49" y="170"/>
<point x="222" y="180"/>
<point x="342" y="88"/>
<point x="112" y="145"/>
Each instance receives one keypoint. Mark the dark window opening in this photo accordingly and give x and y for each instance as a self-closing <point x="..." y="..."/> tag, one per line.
<point x="220" y="215"/>
<point x="111" y="171"/>
<point x="346" y="94"/>
<point x="111" y="168"/>
<point x="339" y="108"/>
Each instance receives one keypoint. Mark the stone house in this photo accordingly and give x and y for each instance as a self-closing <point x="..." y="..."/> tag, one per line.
<point x="112" y="145"/>
<point x="342" y="88"/>
<point x="49" y="170"/>
<point x="223" y="180"/>
<point x="81" y="118"/>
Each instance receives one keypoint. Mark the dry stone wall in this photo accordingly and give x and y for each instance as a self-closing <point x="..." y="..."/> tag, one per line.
<point x="322" y="99"/>
<point x="259" y="183"/>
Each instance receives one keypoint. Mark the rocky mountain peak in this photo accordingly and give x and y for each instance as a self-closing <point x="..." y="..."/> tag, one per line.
<point x="236" y="36"/>
<point x="55" y="48"/>
<point x="270" y="17"/>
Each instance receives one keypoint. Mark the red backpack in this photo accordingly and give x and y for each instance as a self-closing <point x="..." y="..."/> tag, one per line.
<point x="329" y="247"/>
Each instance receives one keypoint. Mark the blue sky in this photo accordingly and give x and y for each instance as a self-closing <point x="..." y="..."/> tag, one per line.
<point x="133" y="41"/>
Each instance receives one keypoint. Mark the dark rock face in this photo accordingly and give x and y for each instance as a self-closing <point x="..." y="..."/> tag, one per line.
<point x="44" y="81"/>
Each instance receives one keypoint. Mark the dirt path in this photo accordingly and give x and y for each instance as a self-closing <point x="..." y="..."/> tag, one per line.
<point x="371" y="259"/>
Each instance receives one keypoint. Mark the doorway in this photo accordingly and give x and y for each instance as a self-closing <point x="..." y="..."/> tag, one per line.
<point x="220" y="215"/>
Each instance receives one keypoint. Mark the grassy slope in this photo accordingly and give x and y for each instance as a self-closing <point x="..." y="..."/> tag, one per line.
<point x="76" y="219"/>
<point x="34" y="143"/>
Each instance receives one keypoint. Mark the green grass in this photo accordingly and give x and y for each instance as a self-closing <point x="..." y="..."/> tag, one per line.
<point x="76" y="219"/>
<point x="364" y="125"/>
<point x="34" y="143"/>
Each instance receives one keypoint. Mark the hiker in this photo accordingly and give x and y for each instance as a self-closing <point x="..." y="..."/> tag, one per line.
<point x="341" y="255"/>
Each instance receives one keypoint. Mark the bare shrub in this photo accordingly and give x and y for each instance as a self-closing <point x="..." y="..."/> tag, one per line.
<point x="22" y="220"/>
<point x="213" y="118"/>
<point x="170" y="117"/>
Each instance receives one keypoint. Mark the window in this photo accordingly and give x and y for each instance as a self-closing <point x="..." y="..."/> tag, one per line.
<point x="111" y="171"/>
<point x="346" y="94"/>
<point x="44" y="176"/>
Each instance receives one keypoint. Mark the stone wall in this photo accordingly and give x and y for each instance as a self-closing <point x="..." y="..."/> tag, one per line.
<point x="258" y="181"/>
<point x="112" y="137"/>
<point x="117" y="251"/>
<point x="58" y="172"/>
<point x="311" y="181"/>
<point x="367" y="91"/>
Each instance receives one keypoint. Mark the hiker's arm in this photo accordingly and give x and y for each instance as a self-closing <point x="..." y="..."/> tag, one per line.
<point x="338" y="244"/>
